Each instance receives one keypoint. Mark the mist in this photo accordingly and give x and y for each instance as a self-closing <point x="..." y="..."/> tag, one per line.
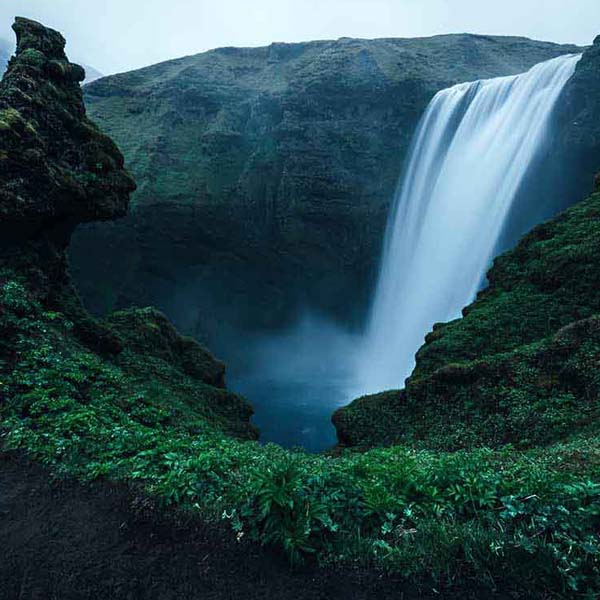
<point x="114" y="36"/>
<point x="296" y="379"/>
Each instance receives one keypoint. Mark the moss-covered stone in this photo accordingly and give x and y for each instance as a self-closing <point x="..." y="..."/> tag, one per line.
<point x="51" y="177"/>
<point x="58" y="170"/>
<point x="149" y="332"/>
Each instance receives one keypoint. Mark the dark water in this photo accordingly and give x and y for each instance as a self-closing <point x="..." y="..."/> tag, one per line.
<point x="293" y="413"/>
<point x="295" y="381"/>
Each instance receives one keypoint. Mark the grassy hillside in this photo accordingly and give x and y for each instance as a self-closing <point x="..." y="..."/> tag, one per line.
<point x="520" y="367"/>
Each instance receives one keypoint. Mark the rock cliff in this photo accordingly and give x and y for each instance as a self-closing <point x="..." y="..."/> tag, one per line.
<point x="57" y="170"/>
<point x="265" y="174"/>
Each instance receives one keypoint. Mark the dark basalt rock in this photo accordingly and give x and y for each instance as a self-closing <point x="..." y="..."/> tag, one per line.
<point x="56" y="168"/>
<point x="581" y="102"/>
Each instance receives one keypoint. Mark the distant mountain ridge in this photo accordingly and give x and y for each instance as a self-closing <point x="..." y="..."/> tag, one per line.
<point x="265" y="174"/>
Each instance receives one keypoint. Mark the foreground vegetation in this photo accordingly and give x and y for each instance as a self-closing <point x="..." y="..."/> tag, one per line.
<point x="523" y="520"/>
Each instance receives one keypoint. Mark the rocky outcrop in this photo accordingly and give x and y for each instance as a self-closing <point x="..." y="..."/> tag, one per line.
<point x="521" y="365"/>
<point x="58" y="170"/>
<point x="265" y="174"/>
<point x="150" y="333"/>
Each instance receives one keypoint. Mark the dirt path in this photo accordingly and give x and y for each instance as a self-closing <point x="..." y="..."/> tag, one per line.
<point x="66" y="541"/>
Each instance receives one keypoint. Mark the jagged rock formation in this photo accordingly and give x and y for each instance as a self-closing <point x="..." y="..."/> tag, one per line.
<point x="6" y="51"/>
<point x="266" y="174"/>
<point x="58" y="170"/>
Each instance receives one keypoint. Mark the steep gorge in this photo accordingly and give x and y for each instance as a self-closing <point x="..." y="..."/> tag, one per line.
<point x="157" y="485"/>
<point x="265" y="175"/>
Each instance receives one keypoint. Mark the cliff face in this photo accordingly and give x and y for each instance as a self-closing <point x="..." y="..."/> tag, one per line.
<point x="265" y="174"/>
<point x="57" y="170"/>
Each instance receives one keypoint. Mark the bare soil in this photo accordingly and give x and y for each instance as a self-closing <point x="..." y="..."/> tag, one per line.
<point x="61" y="540"/>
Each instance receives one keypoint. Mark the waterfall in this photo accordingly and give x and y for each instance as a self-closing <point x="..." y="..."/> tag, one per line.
<point x="468" y="158"/>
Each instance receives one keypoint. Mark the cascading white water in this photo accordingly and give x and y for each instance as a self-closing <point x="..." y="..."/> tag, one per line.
<point x="469" y="156"/>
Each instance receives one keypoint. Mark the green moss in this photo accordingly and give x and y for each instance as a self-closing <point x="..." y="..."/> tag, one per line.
<point x="33" y="57"/>
<point x="10" y="118"/>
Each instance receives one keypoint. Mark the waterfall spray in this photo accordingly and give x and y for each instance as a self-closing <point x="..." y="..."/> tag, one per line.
<point x="469" y="156"/>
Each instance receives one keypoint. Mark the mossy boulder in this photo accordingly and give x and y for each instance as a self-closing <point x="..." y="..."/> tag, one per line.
<point x="149" y="332"/>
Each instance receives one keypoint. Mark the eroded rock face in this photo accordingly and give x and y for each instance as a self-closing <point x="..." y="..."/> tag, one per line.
<point x="56" y="168"/>
<point x="266" y="174"/>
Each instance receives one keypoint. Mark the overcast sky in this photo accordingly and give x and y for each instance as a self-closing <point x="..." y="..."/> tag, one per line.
<point x="118" y="35"/>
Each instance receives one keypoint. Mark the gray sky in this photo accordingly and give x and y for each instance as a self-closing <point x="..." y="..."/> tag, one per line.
<point x="118" y="35"/>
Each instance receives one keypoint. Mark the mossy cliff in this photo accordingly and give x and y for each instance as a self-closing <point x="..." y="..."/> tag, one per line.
<point x="58" y="170"/>
<point x="265" y="174"/>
